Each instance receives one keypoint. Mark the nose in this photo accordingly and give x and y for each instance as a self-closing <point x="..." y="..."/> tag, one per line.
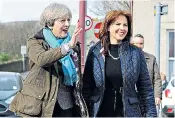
<point x="121" y="27"/>
<point x="67" y="22"/>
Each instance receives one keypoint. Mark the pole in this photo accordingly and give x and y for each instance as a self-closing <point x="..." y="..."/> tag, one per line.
<point x="23" y="63"/>
<point x="82" y="11"/>
<point x="131" y="6"/>
<point x="158" y="15"/>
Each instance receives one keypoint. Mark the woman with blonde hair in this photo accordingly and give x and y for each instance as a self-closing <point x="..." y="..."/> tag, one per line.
<point x="52" y="87"/>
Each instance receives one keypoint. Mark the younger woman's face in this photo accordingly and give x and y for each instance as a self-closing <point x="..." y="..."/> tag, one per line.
<point x="119" y="28"/>
<point x="61" y="27"/>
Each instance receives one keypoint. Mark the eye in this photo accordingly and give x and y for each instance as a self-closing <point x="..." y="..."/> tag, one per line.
<point x="63" y="20"/>
<point x="125" y="24"/>
<point x="69" y="20"/>
<point x="117" y="24"/>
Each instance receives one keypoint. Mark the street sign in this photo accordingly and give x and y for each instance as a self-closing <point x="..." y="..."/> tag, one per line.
<point x="23" y="49"/>
<point x="96" y="29"/>
<point x="163" y="9"/>
<point x="88" y="23"/>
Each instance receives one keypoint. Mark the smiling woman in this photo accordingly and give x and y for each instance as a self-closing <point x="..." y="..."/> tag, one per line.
<point x="52" y="85"/>
<point x="113" y="70"/>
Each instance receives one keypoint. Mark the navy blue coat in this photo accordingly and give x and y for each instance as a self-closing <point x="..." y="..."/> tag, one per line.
<point x="134" y="74"/>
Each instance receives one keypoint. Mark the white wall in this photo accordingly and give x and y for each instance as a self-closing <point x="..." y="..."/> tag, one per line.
<point x="144" y="23"/>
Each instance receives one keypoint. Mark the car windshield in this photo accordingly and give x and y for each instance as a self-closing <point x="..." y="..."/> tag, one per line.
<point x="8" y="83"/>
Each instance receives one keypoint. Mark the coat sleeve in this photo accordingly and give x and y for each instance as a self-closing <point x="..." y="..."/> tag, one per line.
<point x="144" y="87"/>
<point x="157" y="80"/>
<point x="40" y="56"/>
<point x="88" y="82"/>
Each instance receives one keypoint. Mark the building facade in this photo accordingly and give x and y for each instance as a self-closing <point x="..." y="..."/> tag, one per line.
<point x="144" y="22"/>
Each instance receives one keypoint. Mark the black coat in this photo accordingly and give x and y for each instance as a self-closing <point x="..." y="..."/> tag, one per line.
<point x="134" y="73"/>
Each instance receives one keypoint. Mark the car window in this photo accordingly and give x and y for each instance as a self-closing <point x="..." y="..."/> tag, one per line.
<point x="164" y="85"/>
<point x="173" y="82"/>
<point x="8" y="83"/>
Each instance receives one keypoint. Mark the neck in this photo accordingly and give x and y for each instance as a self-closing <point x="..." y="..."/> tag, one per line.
<point x="115" y="41"/>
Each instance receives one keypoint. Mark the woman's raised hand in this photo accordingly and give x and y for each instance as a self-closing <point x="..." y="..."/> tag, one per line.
<point x="76" y="32"/>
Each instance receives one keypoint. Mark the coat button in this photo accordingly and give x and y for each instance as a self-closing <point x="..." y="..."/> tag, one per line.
<point x="52" y="99"/>
<point x="39" y="96"/>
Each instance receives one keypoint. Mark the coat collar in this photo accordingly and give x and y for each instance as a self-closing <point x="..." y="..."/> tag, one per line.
<point x="39" y="35"/>
<point x="123" y="45"/>
<point x="146" y="55"/>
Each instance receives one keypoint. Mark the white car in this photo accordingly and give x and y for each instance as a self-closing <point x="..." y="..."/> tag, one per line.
<point x="168" y="99"/>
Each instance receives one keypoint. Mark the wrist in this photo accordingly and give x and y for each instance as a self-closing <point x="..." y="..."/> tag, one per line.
<point x="65" y="49"/>
<point x="70" y="45"/>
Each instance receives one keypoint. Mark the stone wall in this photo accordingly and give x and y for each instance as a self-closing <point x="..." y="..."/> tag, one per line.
<point x="15" y="66"/>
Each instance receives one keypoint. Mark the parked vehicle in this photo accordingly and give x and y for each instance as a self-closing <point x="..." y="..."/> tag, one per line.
<point x="10" y="84"/>
<point x="168" y="99"/>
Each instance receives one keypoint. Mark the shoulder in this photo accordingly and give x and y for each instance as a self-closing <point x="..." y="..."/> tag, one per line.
<point x="96" y="47"/>
<point x="32" y="41"/>
<point x="146" y="54"/>
<point x="135" y="49"/>
<point x="36" y="38"/>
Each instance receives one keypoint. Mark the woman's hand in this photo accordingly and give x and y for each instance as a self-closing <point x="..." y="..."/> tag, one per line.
<point x="77" y="31"/>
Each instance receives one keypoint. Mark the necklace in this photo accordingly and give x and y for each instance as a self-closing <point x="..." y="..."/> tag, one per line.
<point x="113" y="56"/>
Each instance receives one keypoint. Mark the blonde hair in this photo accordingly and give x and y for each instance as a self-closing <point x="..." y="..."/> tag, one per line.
<point x="52" y="12"/>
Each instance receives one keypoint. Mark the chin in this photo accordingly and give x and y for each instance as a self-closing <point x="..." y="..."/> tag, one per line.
<point x="63" y="35"/>
<point x="121" y="38"/>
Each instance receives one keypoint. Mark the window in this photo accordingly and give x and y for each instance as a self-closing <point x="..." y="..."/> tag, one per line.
<point x="171" y="54"/>
<point x="171" y="45"/>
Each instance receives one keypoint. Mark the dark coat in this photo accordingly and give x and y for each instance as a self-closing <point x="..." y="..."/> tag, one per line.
<point x="39" y="93"/>
<point x="154" y="73"/>
<point x="134" y="73"/>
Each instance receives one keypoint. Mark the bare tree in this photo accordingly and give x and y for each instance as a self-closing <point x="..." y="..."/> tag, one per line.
<point x="15" y="34"/>
<point x="100" y="8"/>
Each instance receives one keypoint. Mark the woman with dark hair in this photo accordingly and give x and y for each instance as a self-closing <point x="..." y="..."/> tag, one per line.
<point x="114" y="69"/>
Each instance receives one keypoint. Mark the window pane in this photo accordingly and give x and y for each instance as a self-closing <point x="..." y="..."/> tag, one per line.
<point x="171" y="44"/>
<point x="171" y="69"/>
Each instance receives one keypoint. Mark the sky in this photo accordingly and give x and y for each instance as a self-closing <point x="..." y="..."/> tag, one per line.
<point x="27" y="10"/>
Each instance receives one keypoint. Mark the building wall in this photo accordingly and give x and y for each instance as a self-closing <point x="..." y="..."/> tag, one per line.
<point x="144" y="23"/>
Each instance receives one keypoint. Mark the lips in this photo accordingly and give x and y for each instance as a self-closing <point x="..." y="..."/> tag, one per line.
<point x="65" y="30"/>
<point x="121" y="33"/>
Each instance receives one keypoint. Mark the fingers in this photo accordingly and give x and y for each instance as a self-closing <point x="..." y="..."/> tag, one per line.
<point x="77" y="29"/>
<point x="157" y="101"/>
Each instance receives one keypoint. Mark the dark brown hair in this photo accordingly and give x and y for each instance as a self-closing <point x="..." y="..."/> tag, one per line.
<point x="109" y="19"/>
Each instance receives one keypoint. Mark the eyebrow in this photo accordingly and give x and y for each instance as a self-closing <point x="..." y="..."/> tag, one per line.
<point x="119" y="22"/>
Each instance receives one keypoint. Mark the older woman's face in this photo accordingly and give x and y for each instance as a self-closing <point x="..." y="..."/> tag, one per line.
<point x="119" y="28"/>
<point x="61" y="27"/>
